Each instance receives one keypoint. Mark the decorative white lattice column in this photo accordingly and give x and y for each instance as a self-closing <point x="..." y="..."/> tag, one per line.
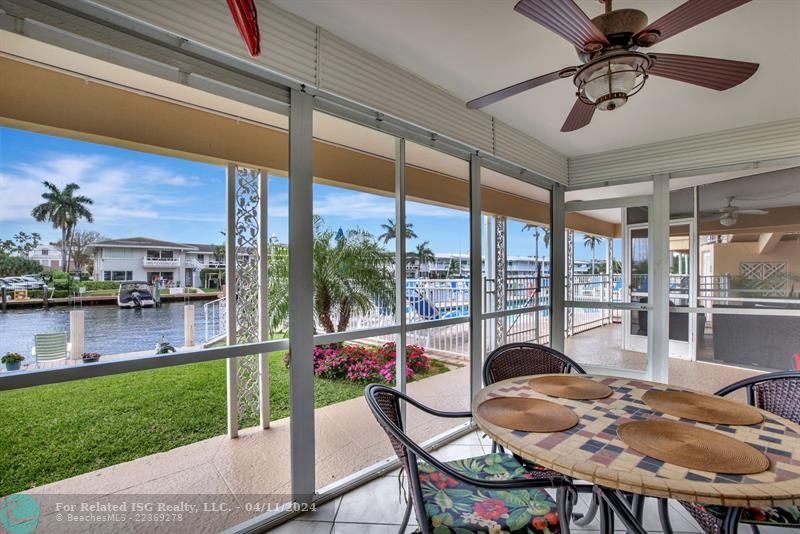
<point x="247" y="290"/>
<point x="570" y="280"/>
<point x="500" y="253"/>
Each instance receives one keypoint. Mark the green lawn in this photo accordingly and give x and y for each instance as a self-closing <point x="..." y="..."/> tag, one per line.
<point x="57" y="431"/>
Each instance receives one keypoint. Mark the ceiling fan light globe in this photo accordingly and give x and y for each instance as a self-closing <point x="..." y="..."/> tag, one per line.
<point x="727" y="221"/>
<point x="609" y="83"/>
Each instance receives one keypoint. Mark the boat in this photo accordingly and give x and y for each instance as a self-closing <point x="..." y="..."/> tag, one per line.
<point x="135" y="295"/>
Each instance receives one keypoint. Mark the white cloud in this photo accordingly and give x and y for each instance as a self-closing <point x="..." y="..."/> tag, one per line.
<point x="122" y="193"/>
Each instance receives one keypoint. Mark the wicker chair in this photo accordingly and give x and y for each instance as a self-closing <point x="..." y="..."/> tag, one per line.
<point x="525" y="359"/>
<point x="778" y="393"/>
<point x="476" y="494"/>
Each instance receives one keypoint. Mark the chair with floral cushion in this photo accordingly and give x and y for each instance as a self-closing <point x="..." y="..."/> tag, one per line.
<point x="490" y="493"/>
<point x="524" y="359"/>
<point x="778" y="393"/>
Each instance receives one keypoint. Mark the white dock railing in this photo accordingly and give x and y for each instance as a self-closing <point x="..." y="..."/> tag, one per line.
<point x="215" y="323"/>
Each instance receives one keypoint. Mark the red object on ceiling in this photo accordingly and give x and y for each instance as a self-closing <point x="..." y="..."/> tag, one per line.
<point x="246" y="19"/>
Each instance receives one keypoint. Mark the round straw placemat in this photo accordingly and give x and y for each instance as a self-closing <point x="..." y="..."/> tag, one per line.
<point x="527" y="415"/>
<point x="569" y="387"/>
<point x="705" y="408"/>
<point x="692" y="447"/>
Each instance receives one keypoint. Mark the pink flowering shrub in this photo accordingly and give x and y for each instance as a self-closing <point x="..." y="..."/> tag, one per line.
<point x="358" y="363"/>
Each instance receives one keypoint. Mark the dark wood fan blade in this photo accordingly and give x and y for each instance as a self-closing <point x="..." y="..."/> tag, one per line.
<point x="512" y="90"/>
<point x="686" y="16"/>
<point x="579" y="116"/>
<point x="710" y="72"/>
<point x="564" y="18"/>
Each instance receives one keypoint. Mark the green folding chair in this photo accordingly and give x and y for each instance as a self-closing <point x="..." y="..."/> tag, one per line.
<point x="50" y="347"/>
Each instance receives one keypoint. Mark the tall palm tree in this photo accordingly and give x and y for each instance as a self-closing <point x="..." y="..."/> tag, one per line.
<point x="390" y="231"/>
<point x="546" y="238"/>
<point x="350" y="275"/>
<point x="63" y="209"/>
<point x="424" y="253"/>
<point x="591" y="241"/>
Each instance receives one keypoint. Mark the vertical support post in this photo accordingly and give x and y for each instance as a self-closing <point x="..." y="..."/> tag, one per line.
<point x="230" y="301"/>
<point x="658" y="281"/>
<point x="301" y="297"/>
<point x="570" y="289"/>
<point x="3" y="300"/>
<point x="557" y="256"/>
<point x="263" y="297"/>
<point x="76" y="333"/>
<point x="694" y="273"/>
<point x="610" y="276"/>
<point x="400" y="264"/>
<point x="475" y="275"/>
<point x="188" y="325"/>
<point x="500" y="253"/>
<point x="45" y="297"/>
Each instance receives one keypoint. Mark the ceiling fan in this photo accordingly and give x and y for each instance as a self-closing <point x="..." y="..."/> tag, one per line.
<point x="728" y="216"/>
<point x="613" y="69"/>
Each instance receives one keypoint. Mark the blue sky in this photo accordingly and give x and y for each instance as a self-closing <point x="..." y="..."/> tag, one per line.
<point x="141" y="194"/>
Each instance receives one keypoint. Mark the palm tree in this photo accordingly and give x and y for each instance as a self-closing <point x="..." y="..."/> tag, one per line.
<point x="349" y="275"/>
<point x="424" y="253"/>
<point x="63" y="209"/>
<point x="591" y="241"/>
<point x="390" y="231"/>
<point x="546" y="234"/>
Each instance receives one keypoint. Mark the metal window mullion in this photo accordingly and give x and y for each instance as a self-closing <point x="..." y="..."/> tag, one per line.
<point x="400" y="263"/>
<point x="475" y="275"/>
<point x="231" y="364"/>
<point x="301" y="298"/>
<point x="658" y="280"/>
<point x="557" y="257"/>
<point x="263" y="297"/>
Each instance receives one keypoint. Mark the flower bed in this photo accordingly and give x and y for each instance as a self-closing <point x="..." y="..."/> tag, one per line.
<point x="360" y="363"/>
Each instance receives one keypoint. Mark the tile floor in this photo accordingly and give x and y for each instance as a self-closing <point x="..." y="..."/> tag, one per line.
<point x="377" y="508"/>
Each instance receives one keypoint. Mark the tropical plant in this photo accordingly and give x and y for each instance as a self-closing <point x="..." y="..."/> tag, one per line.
<point x="424" y="253"/>
<point x="546" y="233"/>
<point x="390" y="231"/>
<point x="453" y="268"/>
<point x="591" y="241"/>
<point x="219" y="253"/>
<point x="350" y="275"/>
<point x="63" y="209"/>
<point x="15" y="265"/>
<point x="22" y="244"/>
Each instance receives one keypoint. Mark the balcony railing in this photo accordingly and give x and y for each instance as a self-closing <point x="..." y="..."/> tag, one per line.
<point x="161" y="262"/>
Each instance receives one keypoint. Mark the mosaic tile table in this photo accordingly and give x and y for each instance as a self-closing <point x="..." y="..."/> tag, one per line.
<point x="591" y="451"/>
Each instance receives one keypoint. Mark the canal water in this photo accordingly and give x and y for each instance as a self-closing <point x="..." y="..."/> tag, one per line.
<point x="109" y="329"/>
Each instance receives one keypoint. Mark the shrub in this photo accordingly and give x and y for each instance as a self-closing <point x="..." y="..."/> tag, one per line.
<point x="358" y="363"/>
<point x="92" y="285"/>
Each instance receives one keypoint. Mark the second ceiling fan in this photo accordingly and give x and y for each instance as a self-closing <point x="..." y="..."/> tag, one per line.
<point x="613" y="69"/>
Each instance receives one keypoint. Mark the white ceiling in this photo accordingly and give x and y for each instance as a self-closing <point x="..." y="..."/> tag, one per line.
<point x="470" y="48"/>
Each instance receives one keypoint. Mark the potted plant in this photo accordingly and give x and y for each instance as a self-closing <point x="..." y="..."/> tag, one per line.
<point x="89" y="357"/>
<point x="12" y="360"/>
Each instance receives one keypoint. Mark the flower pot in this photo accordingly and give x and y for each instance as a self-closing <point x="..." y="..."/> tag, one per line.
<point x="90" y="360"/>
<point x="13" y="366"/>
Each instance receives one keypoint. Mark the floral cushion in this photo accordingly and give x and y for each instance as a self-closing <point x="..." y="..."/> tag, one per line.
<point x="785" y="516"/>
<point x="455" y="507"/>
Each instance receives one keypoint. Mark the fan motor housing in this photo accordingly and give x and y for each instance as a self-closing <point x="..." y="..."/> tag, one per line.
<point x="620" y="25"/>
